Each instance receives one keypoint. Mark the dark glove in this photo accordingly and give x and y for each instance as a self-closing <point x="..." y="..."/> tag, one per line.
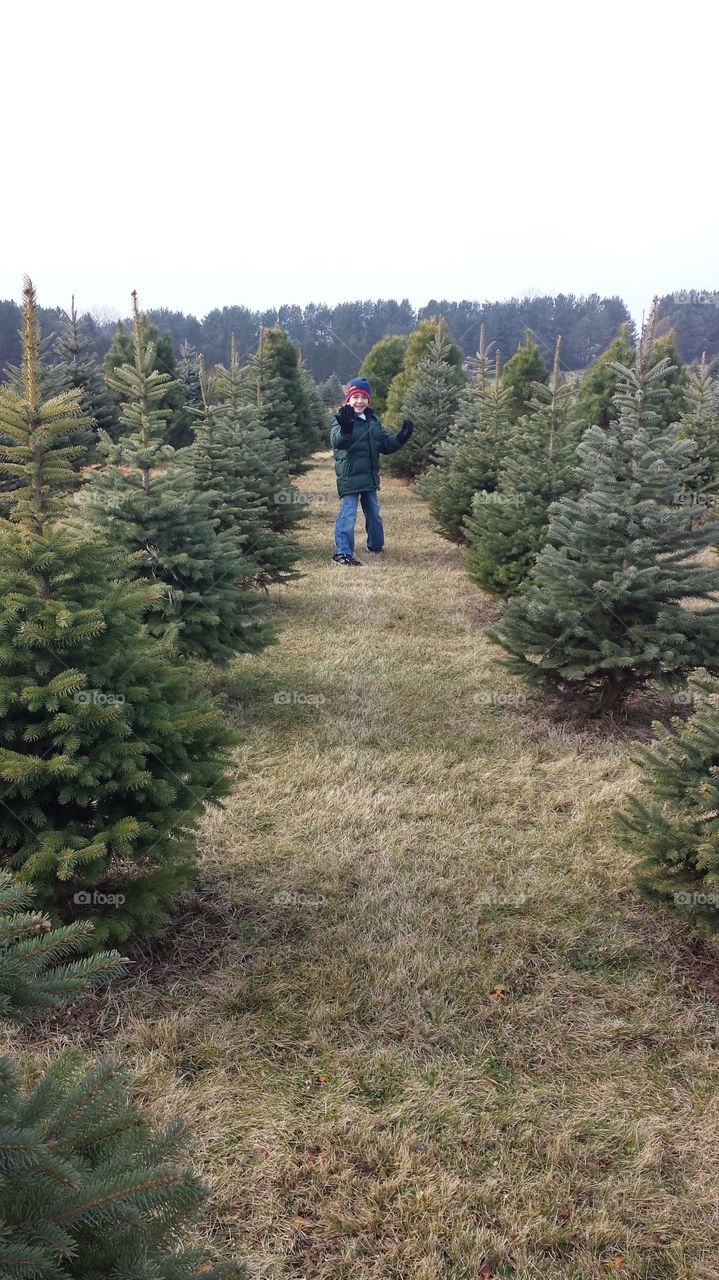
<point x="346" y="416"/>
<point x="406" y="429"/>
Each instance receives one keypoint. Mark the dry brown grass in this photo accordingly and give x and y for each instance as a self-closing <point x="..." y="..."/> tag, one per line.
<point x="464" y="1047"/>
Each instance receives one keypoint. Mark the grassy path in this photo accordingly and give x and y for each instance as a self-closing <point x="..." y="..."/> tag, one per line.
<point x="421" y="1024"/>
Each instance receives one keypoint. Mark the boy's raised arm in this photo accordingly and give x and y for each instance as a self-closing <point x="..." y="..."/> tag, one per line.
<point x="391" y="443"/>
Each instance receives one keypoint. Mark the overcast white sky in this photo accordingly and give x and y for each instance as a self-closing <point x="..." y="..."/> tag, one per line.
<point x="214" y="154"/>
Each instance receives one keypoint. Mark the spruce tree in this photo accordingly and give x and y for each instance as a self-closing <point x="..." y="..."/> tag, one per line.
<point x="229" y="463"/>
<point x="508" y="525"/>
<point x="417" y="350"/>
<point x="332" y="392"/>
<point x="469" y="459"/>
<point x="595" y="397"/>
<point x="672" y="824"/>
<point x="266" y="471"/>
<point x="431" y="403"/>
<point x="74" y="355"/>
<point x="105" y="759"/>
<point x="275" y="386"/>
<point x="174" y="398"/>
<point x="86" y="1188"/>
<point x="525" y="368"/>
<point x="604" y="609"/>
<point x="144" y="500"/>
<point x="36" y="974"/>
<point x="381" y="364"/>
<point x="700" y="423"/>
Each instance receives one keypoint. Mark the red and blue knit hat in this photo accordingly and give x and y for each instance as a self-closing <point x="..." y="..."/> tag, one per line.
<point x="358" y="384"/>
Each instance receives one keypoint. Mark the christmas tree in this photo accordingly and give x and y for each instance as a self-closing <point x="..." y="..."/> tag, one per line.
<point x="32" y="979"/>
<point x="672" y="824"/>
<point x="147" y="502"/>
<point x="508" y="524"/>
<point x="75" y="357"/>
<point x="105" y="759"/>
<point x="274" y="384"/>
<point x="380" y="366"/>
<point x="469" y="459"/>
<point x="416" y="350"/>
<point x="595" y="397"/>
<point x="603" y="611"/>
<point x="87" y="1189"/>
<point x="700" y="423"/>
<point x="525" y="368"/>
<point x="431" y="403"/>
<point x="241" y="468"/>
<point x="267" y="467"/>
<point x="174" y="398"/>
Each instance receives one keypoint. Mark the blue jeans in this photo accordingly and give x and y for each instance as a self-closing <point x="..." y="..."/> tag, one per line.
<point x="345" y="523"/>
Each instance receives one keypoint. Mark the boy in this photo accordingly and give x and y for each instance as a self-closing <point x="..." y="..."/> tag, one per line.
<point x="358" y="438"/>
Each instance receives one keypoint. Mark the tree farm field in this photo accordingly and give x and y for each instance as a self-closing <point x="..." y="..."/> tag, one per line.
<point x="420" y="1021"/>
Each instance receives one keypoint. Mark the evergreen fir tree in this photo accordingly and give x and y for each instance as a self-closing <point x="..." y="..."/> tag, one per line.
<point x="525" y="368"/>
<point x="603" y="611"/>
<point x="380" y="366"/>
<point x="264" y="456"/>
<point x="332" y="392"/>
<point x="74" y="355"/>
<point x="595" y="397"/>
<point x="275" y="386"/>
<point x="431" y="403"/>
<point x="105" y="759"/>
<point x="321" y="417"/>
<point x="89" y="1189"/>
<point x="416" y="350"/>
<point x="508" y="525"/>
<point x="672" y="824"/>
<point x="35" y="972"/>
<point x="470" y="457"/>
<point x="188" y="372"/>
<point x="178" y="432"/>
<point x="146" y="502"/>
<point x="700" y="423"/>
<point x="229" y="463"/>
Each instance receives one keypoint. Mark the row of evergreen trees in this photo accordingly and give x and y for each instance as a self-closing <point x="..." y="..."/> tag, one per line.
<point x="113" y="577"/>
<point x="585" y="505"/>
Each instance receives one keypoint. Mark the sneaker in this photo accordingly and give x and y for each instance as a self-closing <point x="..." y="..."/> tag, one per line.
<point x="376" y="551"/>
<point x="341" y="557"/>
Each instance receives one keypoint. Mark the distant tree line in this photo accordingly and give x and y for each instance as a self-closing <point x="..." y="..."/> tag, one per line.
<point x="334" y="341"/>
